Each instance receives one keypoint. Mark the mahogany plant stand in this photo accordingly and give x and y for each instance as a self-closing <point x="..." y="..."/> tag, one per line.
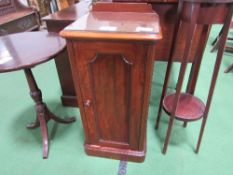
<point x="228" y="48"/>
<point x="185" y="106"/>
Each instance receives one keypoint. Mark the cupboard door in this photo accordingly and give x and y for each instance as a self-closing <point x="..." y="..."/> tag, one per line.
<point x="111" y="78"/>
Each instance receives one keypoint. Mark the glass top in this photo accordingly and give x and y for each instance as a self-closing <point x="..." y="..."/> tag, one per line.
<point x="123" y="22"/>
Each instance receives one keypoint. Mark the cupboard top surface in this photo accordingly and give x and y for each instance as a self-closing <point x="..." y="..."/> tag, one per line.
<point x="115" y="25"/>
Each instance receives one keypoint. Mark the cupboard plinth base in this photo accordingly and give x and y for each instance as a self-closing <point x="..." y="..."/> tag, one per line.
<point x="116" y="153"/>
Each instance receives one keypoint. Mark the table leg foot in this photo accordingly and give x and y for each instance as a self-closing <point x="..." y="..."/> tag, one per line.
<point x="228" y="69"/>
<point x="33" y="125"/>
<point x="66" y="120"/>
<point x="41" y="114"/>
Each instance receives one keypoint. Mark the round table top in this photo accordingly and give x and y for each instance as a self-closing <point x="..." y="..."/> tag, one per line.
<point x="27" y="49"/>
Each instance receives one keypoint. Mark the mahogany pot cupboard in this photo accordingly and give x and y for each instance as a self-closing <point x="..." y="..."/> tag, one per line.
<point x="166" y="9"/>
<point x="111" y="56"/>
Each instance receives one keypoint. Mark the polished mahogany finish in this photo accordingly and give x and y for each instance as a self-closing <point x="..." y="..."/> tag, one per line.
<point x="138" y="26"/>
<point x="111" y="57"/>
<point x="55" y="23"/>
<point x="215" y="43"/>
<point x="122" y="7"/>
<point x="166" y="9"/>
<point x="209" y="1"/>
<point x="228" y="48"/>
<point x="15" y="17"/>
<point x="187" y="107"/>
<point x="20" y="51"/>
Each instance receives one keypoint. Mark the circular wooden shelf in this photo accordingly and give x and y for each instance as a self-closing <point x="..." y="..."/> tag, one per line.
<point x="189" y="107"/>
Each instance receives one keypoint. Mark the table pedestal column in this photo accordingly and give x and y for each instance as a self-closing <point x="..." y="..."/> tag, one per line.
<point x="42" y="112"/>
